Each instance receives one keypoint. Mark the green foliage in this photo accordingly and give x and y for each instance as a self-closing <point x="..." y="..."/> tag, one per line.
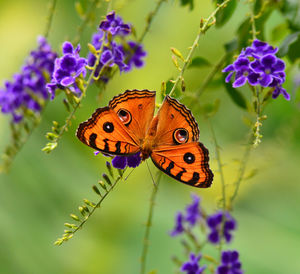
<point x="224" y="15"/>
<point x="198" y="62"/>
<point x="236" y="96"/>
<point x="291" y="10"/>
<point x="290" y="46"/>
<point x="89" y="208"/>
<point x="189" y="3"/>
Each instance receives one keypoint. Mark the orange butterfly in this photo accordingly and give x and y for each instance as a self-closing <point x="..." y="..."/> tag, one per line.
<point x="127" y="126"/>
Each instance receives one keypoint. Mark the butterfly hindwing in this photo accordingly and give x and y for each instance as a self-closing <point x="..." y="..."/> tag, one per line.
<point x="187" y="163"/>
<point x="105" y="132"/>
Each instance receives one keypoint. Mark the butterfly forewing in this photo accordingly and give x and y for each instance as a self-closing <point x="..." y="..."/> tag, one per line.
<point x="172" y="116"/>
<point x="136" y="109"/>
<point x="187" y="163"/>
<point x="105" y="132"/>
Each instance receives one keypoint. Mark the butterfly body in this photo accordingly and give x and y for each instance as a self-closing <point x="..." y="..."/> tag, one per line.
<point x="127" y="126"/>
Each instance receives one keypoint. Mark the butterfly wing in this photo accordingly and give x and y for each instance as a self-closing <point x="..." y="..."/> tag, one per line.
<point x="172" y="116"/>
<point x="105" y="132"/>
<point x="177" y="151"/>
<point x="187" y="163"/>
<point x="137" y="107"/>
<point x="118" y="129"/>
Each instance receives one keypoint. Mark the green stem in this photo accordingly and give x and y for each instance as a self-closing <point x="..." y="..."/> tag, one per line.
<point x="149" y="20"/>
<point x="85" y="21"/>
<point x="71" y="115"/>
<point x="203" y="28"/>
<point x="50" y="18"/>
<point x="148" y="225"/>
<point x="241" y="171"/>
<point x="253" y="21"/>
<point x="195" y="96"/>
<point x="220" y="166"/>
<point x="98" y="204"/>
<point x="70" y="234"/>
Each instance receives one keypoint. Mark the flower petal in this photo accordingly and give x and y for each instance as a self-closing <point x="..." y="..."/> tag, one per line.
<point x="265" y="80"/>
<point x="228" y="68"/>
<point x="268" y="61"/>
<point x="67" y="48"/>
<point x="239" y="82"/>
<point x="67" y="81"/>
<point x="119" y="162"/>
<point x="229" y="76"/>
<point x="253" y="79"/>
<point x="279" y="66"/>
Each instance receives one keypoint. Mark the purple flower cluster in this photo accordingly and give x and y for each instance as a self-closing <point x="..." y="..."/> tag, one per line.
<point x="230" y="263"/>
<point x="27" y="90"/>
<point x="67" y="68"/>
<point x="219" y="227"/>
<point x="258" y="65"/>
<point x="193" y="214"/>
<point x="192" y="266"/>
<point x="121" y="162"/>
<point x="114" y="24"/>
<point x="125" y="55"/>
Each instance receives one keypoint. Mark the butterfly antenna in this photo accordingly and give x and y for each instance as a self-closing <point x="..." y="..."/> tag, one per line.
<point x="151" y="174"/>
<point x="129" y="174"/>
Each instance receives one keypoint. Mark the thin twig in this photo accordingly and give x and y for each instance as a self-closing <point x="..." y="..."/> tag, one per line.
<point x="211" y="75"/>
<point x="220" y="166"/>
<point x="241" y="171"/>
<point x="148" y="225"/>
<point x="71" y="233"/>
<point x="85" y="21"/>
<point x="149" y="20"/>
<point x="204" y="26"/>
<point x="50" y="18"/>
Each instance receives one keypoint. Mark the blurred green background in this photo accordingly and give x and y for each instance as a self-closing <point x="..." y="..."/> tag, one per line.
<point x="40" y="192"/>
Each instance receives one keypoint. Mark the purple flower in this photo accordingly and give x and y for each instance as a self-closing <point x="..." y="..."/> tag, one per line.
<point x="192" y="211"/>
<point x="27" y="89"/>
<point x="191" y="217"/>
<point x="258" y="65"/>
<point x="269" y="68"/>
<point x="230" y="263"/>
<point x="215" y="223"/>
<point x="133" y="53"/>
<point x="243" y="73"/>
<point x="192" y="266"/>
<point x="114" y="24"/>
<point x="259" y="49"/>
<point x="178" y="229"/>
<point x="121" y="162"/>
<point x="67" y="69"/>
<point x="125" y="55"/>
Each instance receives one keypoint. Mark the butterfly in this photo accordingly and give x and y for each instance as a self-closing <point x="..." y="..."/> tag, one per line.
<point x="128" y="126"/>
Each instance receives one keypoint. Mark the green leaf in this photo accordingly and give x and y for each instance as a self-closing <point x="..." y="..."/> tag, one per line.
<point x="236" y="96"/>
<point x="211" y="109"/>
<point x="291" y="11"/>
<point x="231" y="46"/>
<point x="198" y="62"/>
<point x="224" y="14"/>
<point x="290" y="46"/>
<point x="187" y="2"/>
<point x="169" y="86"/>
<point x="243" y="33"/>
<point x="279" y="32"/>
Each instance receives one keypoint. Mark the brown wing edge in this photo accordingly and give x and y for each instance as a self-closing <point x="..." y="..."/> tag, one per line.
<point x="187" y="113"/>
<point x="88" y="124"/>
<point x="130" y="94"/>
<point x="209" y="175"/>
